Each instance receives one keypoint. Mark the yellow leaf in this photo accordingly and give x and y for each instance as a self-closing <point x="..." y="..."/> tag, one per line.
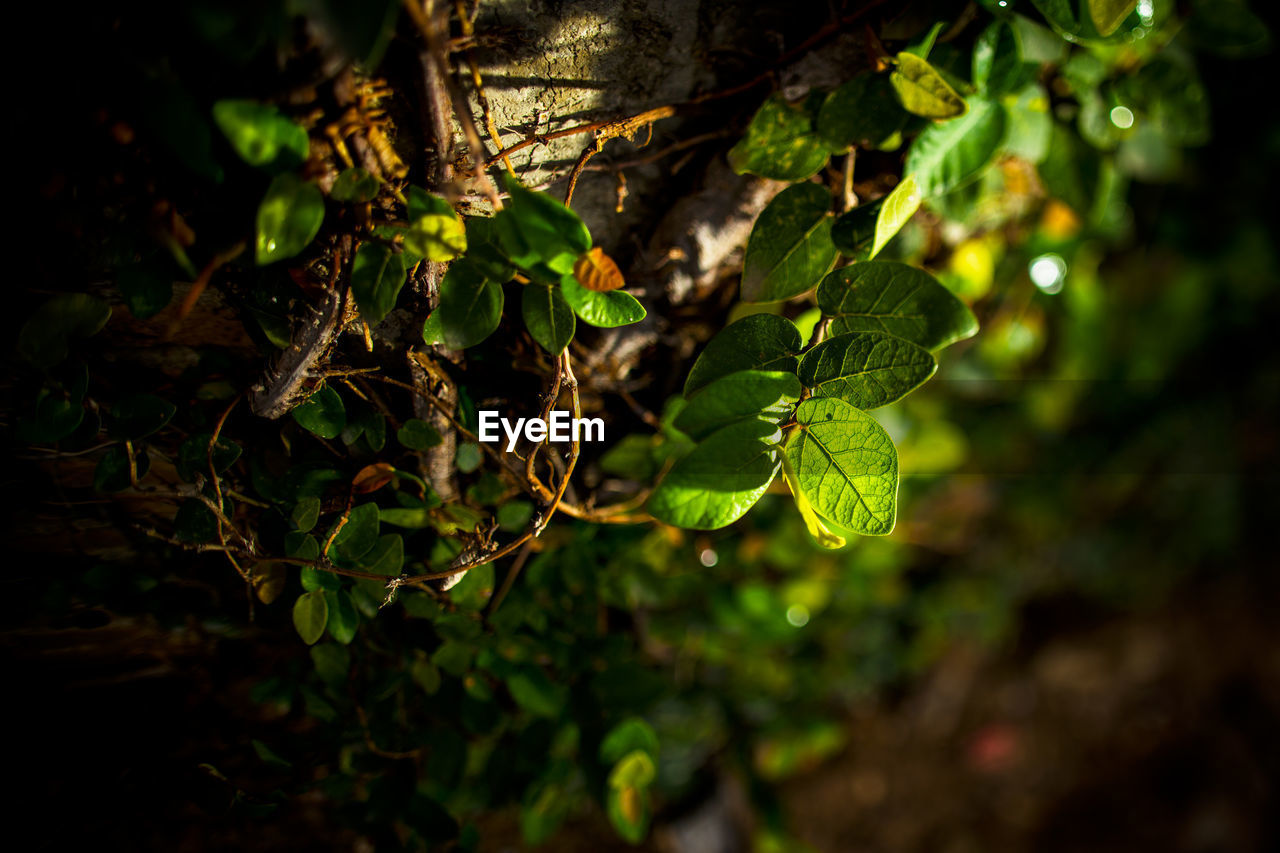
<point x="268" y="581"/>
<point x="818" y="529"/>
<point x="923" y="91"/>
<point x="436" y="237"/>
<point x="899" y="206"/>
<point x="596" y="271"/>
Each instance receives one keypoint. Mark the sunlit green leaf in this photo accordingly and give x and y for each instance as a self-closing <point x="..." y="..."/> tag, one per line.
<point x="769" y="395"/>
<point x="790" y="246"/>
<point x="846" y="465"/>
<point x="436" y="237"/>
<point x="899" y="206"/>
<point x="948" y="154"/>
<point x="781" y="141"/>
<point x="289" y="218"/>
<point x="923" y="91"/>
<point x="606" y="309"/>
<point x="886" y="296"/>
<point x="867" y="369"/>
<point x="548" y="316"/>
<point x="629" y="812"/>
<point x="720" y="479"/>
<point x="535" y="228"/>
<point x="634" y="770"/>
<point x="260" y="134"/>
<point x="756" y="342"/>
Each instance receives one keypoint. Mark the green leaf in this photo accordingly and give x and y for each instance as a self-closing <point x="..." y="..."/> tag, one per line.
<point x="57" y="416"/>
<point x="628" y="736"/>
<point x="854" y="230"/>
<point x="863" y="111"/>
<point x="377" y="275"/>
<point x="139" y="415"/>
<point x="44" y="339"/>
<point x="899" y="206"/>
<point x="485" y="251"/>
<point x="756" y="342"/>
<point x="535" y="228"/>
<point x="260" y="134"/>
<point x="468" y="457"/>
<point x="780" y="142"/>
<point x="355" y="185"/>
<point x="948" y="154"/>
<point x="997" y="60"/>
<point x="886" y="296"/>
<point x="193" y="456"/>
<point x="790" y="246"/>
<point x="306" y="512"/>
<point x="359" y="535"/>
<point x="301" y="546"/>
<point x="289" y="218"/>
<point x="604" y="309"/>
<point x="310" y="614"/>
<point x="769" y="395"/>
<point x="147" y="288"/>
<point x="313" y="579"/>
<point x="846" y="465"/>
<point x="512" y="516"/>
<point x="470" y="306"/>
<point x="548" y="316"/>
<point x="634" y="770"/>
<point x="322" y="413"/>
<point x="867" y="369"/>
<point x="194" y="522"/>
<point x="720" y="479"/>
<point x="387" y="557"/>
<point x="422" y="203"/>
<point x="436" y="237"/>
<point x="1107" y="15"/>
<point x="535" y="692"/>
<point x="112" y="473"/>
<point x="343" y="618"/>
<point x="923" y="91"/>
<point x="418" y="435"/>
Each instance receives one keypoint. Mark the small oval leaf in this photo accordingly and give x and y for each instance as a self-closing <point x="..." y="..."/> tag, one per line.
<point x="790" y="246"/>
<point x="923" y="91"/>
<point x="846" y="465"/>
<point x="597" y="271"/>
<point x="289" y="218"/>
<point x="310" y="615"/>
<point x="606" y="310"/>
<point x="756" y="342"/>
